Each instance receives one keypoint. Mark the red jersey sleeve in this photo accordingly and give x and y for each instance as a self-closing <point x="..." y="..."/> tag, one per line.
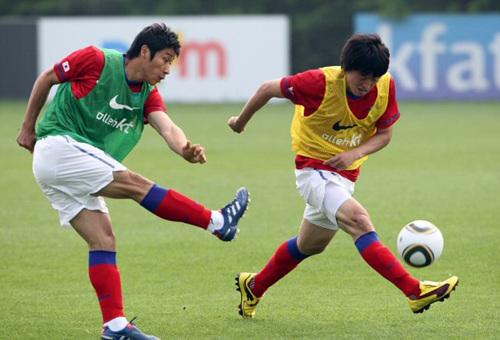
<point x="306" y="89"/>
<point x="85" y="63"/>
<point x="83" y="68"/>
<point x="154" y="103"/>
<point x="391" y="114"/>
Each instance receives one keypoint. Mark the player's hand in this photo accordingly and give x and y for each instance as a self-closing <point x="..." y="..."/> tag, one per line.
<point x="194" y="153"/>
<point x="235" y="126"/>
<point x="27" y="139"/>
<point x="343" y="160"/>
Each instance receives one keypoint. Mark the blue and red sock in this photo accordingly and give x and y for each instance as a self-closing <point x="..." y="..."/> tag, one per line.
<point x="173" y="206"/>
<point x="286" y="258"/>
<point x="106" y="280"/>
<point x="386" y="264"/>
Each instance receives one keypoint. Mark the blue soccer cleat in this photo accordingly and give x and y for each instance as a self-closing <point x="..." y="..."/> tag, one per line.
<point x="130" y="332"/>
<point x="232" y="214"/>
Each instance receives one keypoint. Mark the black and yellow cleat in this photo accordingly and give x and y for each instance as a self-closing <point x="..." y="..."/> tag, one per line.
<point x="248" y="301"/>
<point x="431" y="292"/>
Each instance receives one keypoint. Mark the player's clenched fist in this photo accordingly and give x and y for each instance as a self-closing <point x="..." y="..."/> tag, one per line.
<point x="194" y="153"/>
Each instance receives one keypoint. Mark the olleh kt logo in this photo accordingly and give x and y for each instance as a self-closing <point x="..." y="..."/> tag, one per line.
<point x="354" y="141"/>
<point x="122" y="125"/>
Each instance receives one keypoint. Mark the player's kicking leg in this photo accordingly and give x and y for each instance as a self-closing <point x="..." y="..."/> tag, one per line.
<point x="174" y="206"/>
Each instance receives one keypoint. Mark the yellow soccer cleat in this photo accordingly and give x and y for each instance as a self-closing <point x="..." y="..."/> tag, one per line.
<point x="431" y="292"/>
<point x="248" y="301"/>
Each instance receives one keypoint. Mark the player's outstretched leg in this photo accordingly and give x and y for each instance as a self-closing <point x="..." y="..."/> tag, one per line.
<point x="431" y="292"/>
<point x="129" y="332"/>
<point x="174" y="206"/>
<point x="248" y="300"/>
<point x="232" y="214"/>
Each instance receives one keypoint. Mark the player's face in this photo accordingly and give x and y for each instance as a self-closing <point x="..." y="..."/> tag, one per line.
<point x="159" y="67"/>
<point x="359" y="84"/>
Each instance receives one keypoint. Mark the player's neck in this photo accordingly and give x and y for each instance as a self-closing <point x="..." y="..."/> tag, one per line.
<point x="132" y="71"/>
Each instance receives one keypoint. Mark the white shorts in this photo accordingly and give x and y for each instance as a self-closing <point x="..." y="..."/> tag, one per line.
<point x="324" y="192"/>
<point x="68" y="172"/>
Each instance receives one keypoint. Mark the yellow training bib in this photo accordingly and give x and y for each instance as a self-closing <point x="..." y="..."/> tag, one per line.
<point x="333" y="128"/>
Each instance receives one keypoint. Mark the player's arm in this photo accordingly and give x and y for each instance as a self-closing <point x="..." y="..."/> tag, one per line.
<point x="38" y="98"/>
<point x="375" y="143"/>
<point x="175" y="138"/>
<point x="268" y="90"/>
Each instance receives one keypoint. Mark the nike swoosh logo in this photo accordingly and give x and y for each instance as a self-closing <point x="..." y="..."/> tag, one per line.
<point x="249" y="293"/>
<point x="441" y="291"/>
<point x="338" y="127"/>
<point x="116" y="106"/>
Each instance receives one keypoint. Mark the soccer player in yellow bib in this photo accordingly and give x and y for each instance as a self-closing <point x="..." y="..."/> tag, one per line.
<point x="342" y="114"/>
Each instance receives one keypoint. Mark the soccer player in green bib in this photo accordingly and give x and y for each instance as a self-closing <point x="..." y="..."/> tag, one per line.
<point x="95" y="119"/>
<point x="342" y="114"/>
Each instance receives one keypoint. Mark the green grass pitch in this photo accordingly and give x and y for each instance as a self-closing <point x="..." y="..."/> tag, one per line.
<point x="442" y="165"/>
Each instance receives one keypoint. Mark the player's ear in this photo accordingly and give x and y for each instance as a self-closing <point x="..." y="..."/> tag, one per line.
<point x="145" y="52"/>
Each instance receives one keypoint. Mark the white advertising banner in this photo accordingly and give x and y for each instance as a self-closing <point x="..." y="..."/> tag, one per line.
<point x="223" y="58"/>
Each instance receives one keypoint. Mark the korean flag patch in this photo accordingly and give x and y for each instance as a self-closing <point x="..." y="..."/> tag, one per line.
<point x="65" y="66"/>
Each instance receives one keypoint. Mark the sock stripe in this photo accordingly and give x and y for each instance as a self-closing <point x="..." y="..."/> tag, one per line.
<point x="294" y="249"/>
<point x="366" y="240"/>
<point x="97" y="257"/>
<point x="154" y="198"/>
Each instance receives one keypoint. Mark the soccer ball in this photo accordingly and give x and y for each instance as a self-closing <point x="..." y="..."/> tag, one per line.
<point x="420" y="243"/>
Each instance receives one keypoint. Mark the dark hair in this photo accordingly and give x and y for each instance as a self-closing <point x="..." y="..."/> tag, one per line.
<point x="156" y="37"/>
<point x="365" y="53"/>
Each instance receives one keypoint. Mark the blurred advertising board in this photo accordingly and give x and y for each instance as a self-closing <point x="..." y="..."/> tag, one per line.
<point x="441" y="56"/>
<point x="223" y="58"/>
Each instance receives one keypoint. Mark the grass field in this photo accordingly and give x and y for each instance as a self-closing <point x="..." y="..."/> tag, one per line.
<point x="442" y="165"/>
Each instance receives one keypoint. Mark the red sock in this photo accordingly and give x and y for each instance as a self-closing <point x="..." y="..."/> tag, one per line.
<point x="173" y="206"/>
<point x="105" y="278"/>
<point x="286" y="258"/>
<point x="386" y="264"/>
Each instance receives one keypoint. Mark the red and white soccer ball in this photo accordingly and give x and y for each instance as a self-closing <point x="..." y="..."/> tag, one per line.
<point x="420" y="243"/>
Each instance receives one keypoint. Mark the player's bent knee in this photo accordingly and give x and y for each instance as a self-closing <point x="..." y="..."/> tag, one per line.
<point x="356" y="224"/>
<point x="138" y="179"/>
<point x="363" y="222"/>
<point x="128" y="184"/>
